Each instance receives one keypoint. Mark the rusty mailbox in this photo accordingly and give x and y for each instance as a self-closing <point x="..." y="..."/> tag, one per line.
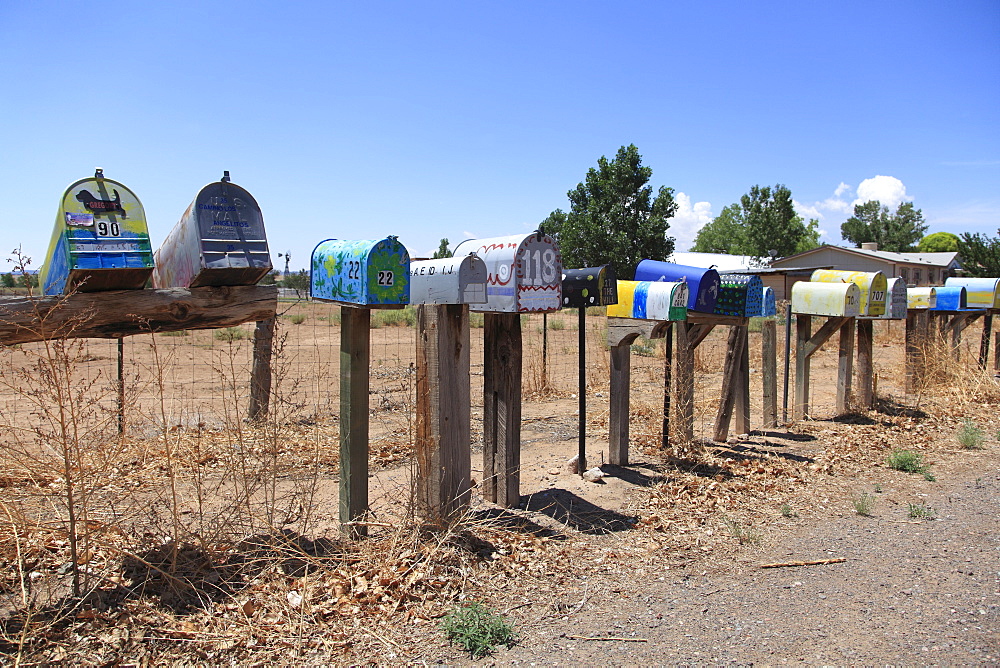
<point x="650" y="300"/>
<point x="871" y="283"/>
<point x="373" y="273"/>
<point x="451" y="280"/>
<point x="100" y="240"/>
<point x="829" y="299"/>
<point x="703" y="284"/>
<point x="590" y="286"/>
<point x="524" y="272"/>
<point x="979" y="292"/>
<point x="219" y="240"/>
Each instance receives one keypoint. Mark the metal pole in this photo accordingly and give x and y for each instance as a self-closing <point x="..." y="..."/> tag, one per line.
<point x="583" y="389"/>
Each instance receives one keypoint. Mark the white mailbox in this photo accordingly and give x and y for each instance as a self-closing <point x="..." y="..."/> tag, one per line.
<point x="832" y="299"/>
<point x="524" y="272"/>
<point x="451" y="280"/>
<point x="921" y="298"/>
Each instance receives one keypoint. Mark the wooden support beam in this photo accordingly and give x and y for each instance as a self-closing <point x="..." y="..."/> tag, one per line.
<point x="829" y="328"/>
<point x="730" y="383"/>
<point x="800" y="403"/>
<point x="984" y="343"/>
<point x="742" y="407"/>
<point x="443" y="431"/>
<point x="355" y="356"/>
<point x="769" y="371"/>
<point x="618" y="419"/>
<point x="502" y="410"/>
<point x="845" y="365"/>
<point x="118" y="313"/>
<point x="683" y="402"/>
<point x="866" y="371"/>
<point x="698" y="333"/>
<point x="260" y="376"/>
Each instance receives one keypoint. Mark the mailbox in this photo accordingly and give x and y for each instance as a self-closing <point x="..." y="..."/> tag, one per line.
<point x="895" y="300"/>
<point x="981" y="292"/>
<point x="451" y="280"/>
<point x="831" y="299"/>
<point x="362" y="273"/>
<point x="769" y="305"/>
<point x="739" y="295"/>
<point x="650" y="300"/>
<point x="590" y="286"/>
<point x="951" y="298"/>
<point x="524" y="272"/>
<point x="872" y="285"/>
<point x="921" y="298"/>
<point x="219" y="240"/>
<point x="100" y="240"/>
<point x="703" y="284"/>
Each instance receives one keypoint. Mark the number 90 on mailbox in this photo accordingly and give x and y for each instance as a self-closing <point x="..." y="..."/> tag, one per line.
<point x="830" y="299"/>
<point x="524" y="272"/>
<point x="362" y="273"/>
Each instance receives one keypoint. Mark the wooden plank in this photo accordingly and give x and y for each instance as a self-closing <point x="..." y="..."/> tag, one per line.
<point x="618" y="419"/>
<point x="984" y="343"/>
<point x="769" y="372"/>
<point x="866" y="371"/>
<point x="260" y="376"/>
<point x="742" y="407"/>
<point x="683" y="401"/>
<point x="699" y="318"/>
<point x="823" y="334"/>
<point x="355" y="354"/>
<point x="730" y="380"/>
<point x="620" y="329"/>
<point x="800" y="402"/>
<point x="443" y="429"/>
<point x="118" y="313"/>
<point x="698" y="333"/>
<point x="845" y="365"/>
<point x="502" y="410"/>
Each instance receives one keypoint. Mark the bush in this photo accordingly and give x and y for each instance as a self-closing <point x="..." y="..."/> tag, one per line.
<point x="971" y="436"/>
<point x="477" y="629"/>
<point x="909" y="462"/>
<point x="864" y="504"/>
<point x="230" y="334"/>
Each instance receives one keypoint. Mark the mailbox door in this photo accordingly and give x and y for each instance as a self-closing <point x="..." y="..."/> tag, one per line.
<point x="919" y="298"/>
<point x="100" y="240"/>
<point x="895" y="299"/>
<point x="703" y="284"/>
<point x="769" y="305"/>
<point x="830" y="299"/>
<point x="454" y="280"/>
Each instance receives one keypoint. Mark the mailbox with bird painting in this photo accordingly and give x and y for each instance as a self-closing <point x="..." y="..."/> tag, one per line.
<point x="703" y="284"/>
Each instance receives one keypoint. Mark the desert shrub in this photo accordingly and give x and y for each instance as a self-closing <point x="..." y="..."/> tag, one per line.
<point x="477" y="629"/>
<point x="970" y="436"/>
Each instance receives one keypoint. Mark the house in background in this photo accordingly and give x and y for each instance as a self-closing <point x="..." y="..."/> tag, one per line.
<point x="916" y="269"/>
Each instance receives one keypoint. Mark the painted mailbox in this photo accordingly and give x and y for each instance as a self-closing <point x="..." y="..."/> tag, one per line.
<point x="768" y="303"/>
<point x="895" y="301"/>
<point x="590" y="286"/>
<point x="219" y="240"/>
<point x="100" y="240"/>
<point x="703" y="284"/>
<point x="451" y="280"/>
<point x="740" y="295"/>
<point x="650" y="300"/>
<point x="524" y="272"/>
<point x="951" y="298"/>
<point x="921" y="298"/>
<point x="980" y="292"/>
<point x="872" y="285"/>
<point x="831" y="299"/>
<point x="362" y="273"/>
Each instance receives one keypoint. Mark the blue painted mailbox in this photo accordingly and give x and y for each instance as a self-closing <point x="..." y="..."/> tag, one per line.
<point x="740" y="295"/>
<point x="219" y="240"/>
<point x="951" y="298"/>
<point x="768" y="303"/>
<point x="703" y="284"/>
<point x="451" y="280"/>
<point x="100" y="240"/>
<point x="590" y="286"/>
<point x="650" y="300"/>
<point x="524" y="272"/>
<point x="829" y="299"/>
<point x="372" y="273"/>
<point x="980" y="292"/>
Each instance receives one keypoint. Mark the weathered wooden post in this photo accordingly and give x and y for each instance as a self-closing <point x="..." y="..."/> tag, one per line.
<point x="919" y="302"/>
<point x="443" y="289"/>
<point x="840" y="303"/>
<point x="953" y="315"/>
<point x="360" y="276"/>
<point x="524" y="276"/>
<point x="582" y="288"/>
<point x="645" y="309"/>
<point x="260" y="374"/>
<point x="895" y="309"/>
<point x="740" y="296"/>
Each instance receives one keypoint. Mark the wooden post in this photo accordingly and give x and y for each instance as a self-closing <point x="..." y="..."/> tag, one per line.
<point x="355" y="354"/>
<point x="845" y="366"/>
<point x="742" y="406"/>
<point x="730" y="381"/>
<point x="769" y="370"/>
<point x="800" y="403"/>
<point x="121" y="386"/>
<point x="866" y="372"/>
<point x="984" y="344"/>
<point x="918" y="327"/>
<point x="668" y="353"/>
<point x="684" y="382"/>
<point x="260" y="375"/>
<point x="618" y="418"/>
<point x="443" y="434"/>
<point x="502" y="410"/>
<point x="996" y="355"/>
<point x="788" y="361"/>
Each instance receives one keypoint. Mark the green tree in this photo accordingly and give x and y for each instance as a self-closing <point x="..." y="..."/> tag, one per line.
<point x="298" y="281"/>
<point x="443" y="251"/>
<point x="7" y="280"/>
<point x="980" y="254"/>
<point x="614" y="217"/>
<point x="810" y="239"/>
<point x="872" y="222"/>
<point x="27" y="280"/>
<point x="553" y="223"/>
<point x="939" y="242"/>
<point x="271" y="278"/>
<point x="724" y="234"/>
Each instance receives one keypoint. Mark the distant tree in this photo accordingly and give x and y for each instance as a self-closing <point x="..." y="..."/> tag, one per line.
<point x="442" y="251"/>
<point x="614" y="217"/>
<point x="298" y="281"/>
<point x="271" y="278"/>
<point x="7" y="280"/>
<point x="810" y="239"/>
<point x="27" y="280"/>
<point x="980" y="255"/>
<point x="939" y="242"/>
<point x="553" y="223"/>
<point x="724" y="234"/>
<point x="872" y="222"/>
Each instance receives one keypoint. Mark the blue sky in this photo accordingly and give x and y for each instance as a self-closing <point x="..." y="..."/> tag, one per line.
<point x="472" y="119"/>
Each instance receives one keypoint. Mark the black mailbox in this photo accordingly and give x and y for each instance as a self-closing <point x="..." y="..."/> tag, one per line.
<point x="590" y="286"/>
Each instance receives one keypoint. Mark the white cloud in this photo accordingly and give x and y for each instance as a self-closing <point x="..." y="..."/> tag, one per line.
<point x="888" y="190"/>
<point x="688" y="219"/>
<point x="841" y="189"/>
<point x="807" y="211"/>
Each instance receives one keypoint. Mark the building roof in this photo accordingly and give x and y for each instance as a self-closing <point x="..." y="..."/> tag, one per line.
<point x="721" y="262"/>
<point x="945" y="260"/>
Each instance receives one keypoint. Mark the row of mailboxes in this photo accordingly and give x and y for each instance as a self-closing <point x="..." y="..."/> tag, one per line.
<point x="650" y="300"/>
<point x="872" y="286"/>
<point x="980" y="292"/>
<point x="829" y="299"/>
